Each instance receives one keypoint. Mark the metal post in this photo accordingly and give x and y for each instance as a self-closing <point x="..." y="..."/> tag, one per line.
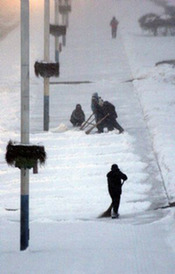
<point x="24" y="240"/>
<point x="24" y="232"/>
<point x="46" y="59"/>
<point x="67" y="14"/>
<point x="64" y="23"/>
<point x="56" y="38"/>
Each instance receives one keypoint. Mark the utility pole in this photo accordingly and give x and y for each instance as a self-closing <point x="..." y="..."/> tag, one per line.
<point x="56" y="37"/>
<point x="46" y="59"/>
<point x="64" y="24"/>
<point x="67" y="14"/>
<point x="24" y="218"/>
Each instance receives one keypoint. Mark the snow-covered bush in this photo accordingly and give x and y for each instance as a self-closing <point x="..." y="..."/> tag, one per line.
<point x="155" y="24"/>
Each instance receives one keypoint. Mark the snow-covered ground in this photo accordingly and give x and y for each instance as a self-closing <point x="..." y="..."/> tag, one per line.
<point x="67" y="196"/>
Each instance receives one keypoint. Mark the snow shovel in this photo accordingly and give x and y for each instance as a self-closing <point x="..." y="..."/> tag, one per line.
<point x="86" y="122"/>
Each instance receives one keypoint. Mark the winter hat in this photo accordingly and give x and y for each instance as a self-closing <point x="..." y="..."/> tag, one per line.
<point x="95" y="94"/>
<point x="78" y="106"/>
<point x="114" y="167"/>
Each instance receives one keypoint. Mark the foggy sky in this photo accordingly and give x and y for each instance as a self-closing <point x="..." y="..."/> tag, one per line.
<point x="9" y="9"/>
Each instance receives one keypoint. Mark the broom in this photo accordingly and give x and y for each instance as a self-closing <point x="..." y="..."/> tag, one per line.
<point x="106" y="213"/>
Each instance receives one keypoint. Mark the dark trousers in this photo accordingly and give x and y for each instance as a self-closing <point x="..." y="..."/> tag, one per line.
<point x="76" y="122"/>
<point x="114" y="124"/>
<point x="117" y="126"/>
<point x="100" y="126"/>
<point x="116" y="203"/>
<point x="114" y="32"/>
<point x="115" y="196"/>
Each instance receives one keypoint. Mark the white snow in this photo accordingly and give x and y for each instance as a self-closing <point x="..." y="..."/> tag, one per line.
<point x="70" y="192"/>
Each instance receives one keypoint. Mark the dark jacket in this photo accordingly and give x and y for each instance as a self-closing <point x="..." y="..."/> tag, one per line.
<point x="97" y="110"/>
<point x="114" y="23"/>
<point x="94" y="101"/>
<point x="115" y="177"/>
<point x="109" y="108"/>
<point x="77" y="116"/>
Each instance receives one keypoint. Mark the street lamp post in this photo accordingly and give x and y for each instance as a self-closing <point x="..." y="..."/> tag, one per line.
<point x="56" y="37"/>
<point x="24" y="218"/>
<point x="46" y="59"/>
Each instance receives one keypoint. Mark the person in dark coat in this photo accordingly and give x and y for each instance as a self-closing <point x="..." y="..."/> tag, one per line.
<point x="114" y="24"/>
<point x="94" y="101"/>
<point x="110" y="121"/>
<point x="115" y="180"/>
<point x="77" y="116"/>
<point x="97" y="110"/>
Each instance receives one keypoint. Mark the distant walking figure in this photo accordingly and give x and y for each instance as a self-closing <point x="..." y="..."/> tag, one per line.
<point x="114" y="24"/>
<point x="115" y="181"/>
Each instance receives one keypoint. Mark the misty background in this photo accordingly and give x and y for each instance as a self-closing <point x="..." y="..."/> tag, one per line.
<point x="9" y="16"/>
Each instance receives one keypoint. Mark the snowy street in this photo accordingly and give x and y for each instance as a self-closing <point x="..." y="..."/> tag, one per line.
<point x="70" y="192"/>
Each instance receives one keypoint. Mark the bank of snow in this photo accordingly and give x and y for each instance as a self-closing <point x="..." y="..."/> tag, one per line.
<point x="154" y="85"/>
